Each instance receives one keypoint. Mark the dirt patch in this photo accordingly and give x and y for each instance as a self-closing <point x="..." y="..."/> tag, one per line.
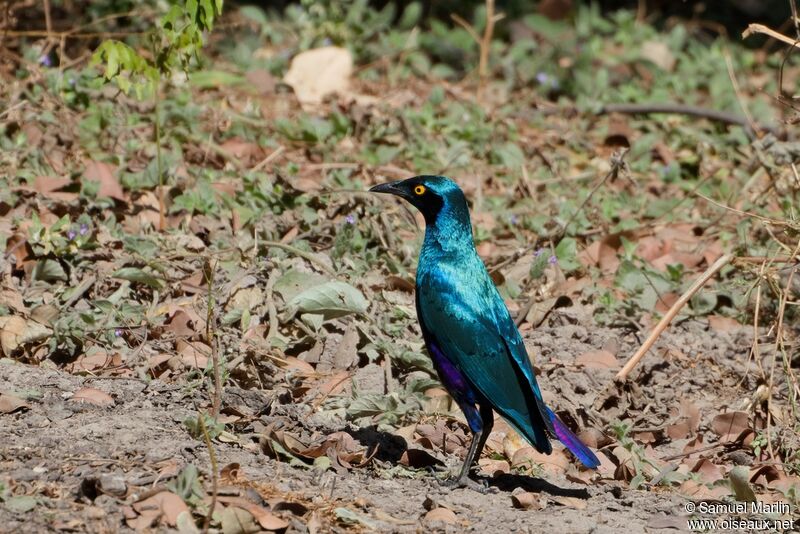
<point x="84" y="463"/>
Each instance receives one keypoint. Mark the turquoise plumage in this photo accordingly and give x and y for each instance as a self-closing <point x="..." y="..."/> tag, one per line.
<point x="472" y="340"/>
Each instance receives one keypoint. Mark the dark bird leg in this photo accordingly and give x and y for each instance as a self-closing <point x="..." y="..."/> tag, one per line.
<point x="481" y="428"/>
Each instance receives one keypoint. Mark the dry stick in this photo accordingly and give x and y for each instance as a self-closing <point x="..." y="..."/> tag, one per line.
<point x="214" y="482"/>
<point x="752" y="127"/>
<point x="485" y="46"/>
<point x="693" y="111"/>
<point x="266" y="161"/>
<point x="760" y="28"/>
<point x="210" y="337"/>
<point x="766" y="220"/>
<point x="484" y="43"/>
<point x="48" y="23"/>
<point x="673" y="311"/>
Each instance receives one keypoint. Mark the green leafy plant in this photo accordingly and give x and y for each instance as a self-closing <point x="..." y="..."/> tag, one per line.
<point x="174" y="42"/>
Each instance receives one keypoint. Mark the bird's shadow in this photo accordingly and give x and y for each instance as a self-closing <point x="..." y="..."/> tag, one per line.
<point x="508" y="482"/>
<point x="389" y="448"/>
<point x="381" y="445"/>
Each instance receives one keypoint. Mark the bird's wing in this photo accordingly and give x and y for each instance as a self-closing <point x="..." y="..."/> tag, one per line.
<point x="474" y="330"/>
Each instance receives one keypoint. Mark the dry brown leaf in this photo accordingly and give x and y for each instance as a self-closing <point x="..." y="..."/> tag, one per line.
<point x="98" y="171"/>
<point x="48" y="184"/>
<point x="11" y="403"/>
<point x="230" y="472"/>
<point x="247" y="152"/>
<point x="556" y="462"/>
<point x="493" y="468"/>
<point x="539" y="310"/>
<point x="689" y="261"/>
<point x="659" y="54"/>
<point x="399" y="283"/>
<point x="165" y="505"/>
<point x="678" y="430"/>
<point x="602" y="254"/>
<point x="346" y="354"/>
<point x="95" y="360"/>
<point x="317" y="73"/>
<point x="265" y="518"/>
<point x="336" y="383"/>
<point x="597" y="359"/>
<point x="92" y="396"/>
<point x="194" y="354"/>
<point x="593" y="438"/>
<point x="181" y="325"/>
<point x="619" y="131"/>
<point x="718" y="323"/>
<point x="770" y="476"/>
<point x="700" y="492"/>
<point x="298" y="365"/>
<point x="442" y="514"/>
<point x="12" y="329"/>
<point x="693" y="444"/>
<point x="528" y="500"/>
<point x="709" y="472"/>
<point x="729" y="425"/>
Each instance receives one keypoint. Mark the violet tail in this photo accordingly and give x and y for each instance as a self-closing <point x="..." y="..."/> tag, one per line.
<point x="572" y="442"/>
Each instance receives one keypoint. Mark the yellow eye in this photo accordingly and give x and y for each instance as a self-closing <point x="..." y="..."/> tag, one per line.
<point x="419" y="190"/>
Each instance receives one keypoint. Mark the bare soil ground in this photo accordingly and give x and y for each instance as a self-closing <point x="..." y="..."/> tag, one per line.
<point x="86" y="464"/>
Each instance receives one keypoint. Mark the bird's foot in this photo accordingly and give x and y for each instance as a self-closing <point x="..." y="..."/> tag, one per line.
<point x="481" y="486"/>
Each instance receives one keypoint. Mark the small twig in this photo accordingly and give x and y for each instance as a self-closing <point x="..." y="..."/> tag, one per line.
<point x="752" y="127"/>
<point x="211" y="339"/>
<point x="485" y="47"/>
<point x="760" y="28"/>
<point x="724" y="117"/>
<point x="617" y="164"/>
<point x="693" y="451"/>
<point x="214" y="481"/>
<point x="266" y="161"/>
<point x="467" y="26"/>
<point x="761" y="218"/>
<point x="48" y="22"/>
<point x="673" y="311"/>
<point x="80" y="290"/>
<point x="484" y="42"/>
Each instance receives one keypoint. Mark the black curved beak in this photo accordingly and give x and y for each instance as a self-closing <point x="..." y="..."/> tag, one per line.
<point x="392" y="188"/>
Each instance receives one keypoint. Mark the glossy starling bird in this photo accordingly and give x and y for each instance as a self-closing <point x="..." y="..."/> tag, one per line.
<point x="472" y="340"/>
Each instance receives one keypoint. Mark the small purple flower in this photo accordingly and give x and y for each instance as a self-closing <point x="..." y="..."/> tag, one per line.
<point x="538" y="253"/>
<point x="72" y="82"/>
<point x="512" y="220"/>
<point x="84" y="229"/>
<point x="71" y="235"/>
<point x="327" y="42"/>
<point x="552" y="260"/>
<point x="350" y="219"/>
<point x="118" y="332"/>
<point x="45" y="60"/>
<point x="543" y="78"/>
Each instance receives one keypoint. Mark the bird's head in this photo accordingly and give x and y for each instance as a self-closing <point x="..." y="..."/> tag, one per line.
<point x="431" y="195"/>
